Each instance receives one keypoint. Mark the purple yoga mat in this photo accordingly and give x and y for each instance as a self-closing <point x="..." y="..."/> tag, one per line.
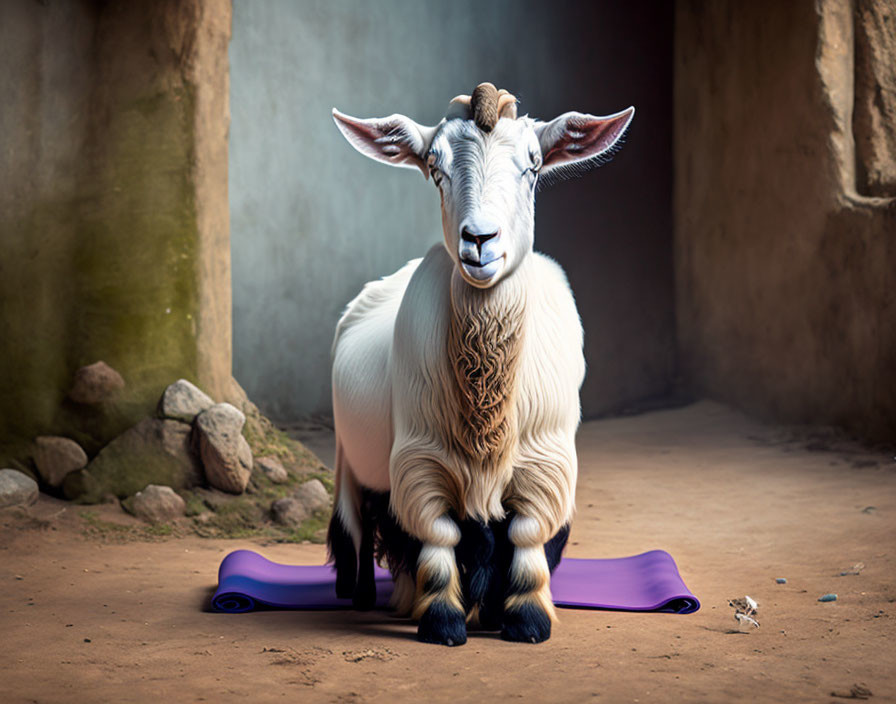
<point x="645" y="582"/>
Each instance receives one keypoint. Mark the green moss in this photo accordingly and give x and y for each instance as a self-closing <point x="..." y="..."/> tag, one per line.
<point x="128" y="464"/>
<point x="194" y="504"/>
<point x="241" y="516"/>
<point x="266" y="440"/>
<point x="312" y="530"/>
<point x="106" y="268"/>
<point x="108" y="531"/>
<point x="248" y="515"/>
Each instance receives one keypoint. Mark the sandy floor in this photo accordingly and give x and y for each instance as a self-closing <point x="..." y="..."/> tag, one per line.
<point x="737" y="504"/>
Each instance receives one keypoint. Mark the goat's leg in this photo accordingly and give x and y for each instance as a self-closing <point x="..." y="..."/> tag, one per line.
<point x="553" y="549"/>
<point x="540" y="497"/>
<point x="528" y="608"/>
<point x="364" y="597"/>
<point x="344" y="534"/>
<point x="438" y="604"/>
<point x="421" y="497"/>
<point x="482" y="576"/>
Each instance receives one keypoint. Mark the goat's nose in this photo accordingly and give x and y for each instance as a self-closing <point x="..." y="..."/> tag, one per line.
<point x="478" y="237"/>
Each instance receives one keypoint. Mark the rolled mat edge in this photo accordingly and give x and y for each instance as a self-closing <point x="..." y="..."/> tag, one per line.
<point x="649" y="581"/>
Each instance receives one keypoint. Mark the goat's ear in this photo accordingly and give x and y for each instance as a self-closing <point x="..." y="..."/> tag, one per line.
<point x="395" y="140"/>
<point x="576" y="140"/>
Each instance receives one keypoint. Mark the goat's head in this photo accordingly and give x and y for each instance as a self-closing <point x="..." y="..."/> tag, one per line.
<point x="486" y="162"/>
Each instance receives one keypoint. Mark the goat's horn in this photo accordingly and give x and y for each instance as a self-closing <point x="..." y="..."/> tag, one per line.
<point x="459" y="107"/>
<point x="506" y="104"/>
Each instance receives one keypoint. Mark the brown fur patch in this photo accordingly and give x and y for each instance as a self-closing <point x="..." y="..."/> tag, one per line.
<point x="484" y="103"/>
<point x="485" y="107"/>
<point x="485" y="339"/>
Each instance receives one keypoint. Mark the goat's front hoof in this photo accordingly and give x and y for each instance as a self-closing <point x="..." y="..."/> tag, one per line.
<point x="443" y="624"/>
<point x="526" y="624"/>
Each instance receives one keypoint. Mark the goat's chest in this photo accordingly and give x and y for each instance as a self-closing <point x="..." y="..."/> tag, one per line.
<point x="484" y="341"/>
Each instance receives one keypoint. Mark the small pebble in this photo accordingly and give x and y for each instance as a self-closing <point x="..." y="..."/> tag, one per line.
<point x="87" y="640"/>
<point x="828" y="597"/>
<point x="781" y="580"/>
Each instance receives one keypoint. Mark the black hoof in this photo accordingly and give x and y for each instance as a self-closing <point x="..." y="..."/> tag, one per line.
<point x="444" y="625"/>
<point x="527" y="624"/>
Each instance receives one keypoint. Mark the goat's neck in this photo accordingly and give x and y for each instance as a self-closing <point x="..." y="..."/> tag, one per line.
<point x="484" y="343"/>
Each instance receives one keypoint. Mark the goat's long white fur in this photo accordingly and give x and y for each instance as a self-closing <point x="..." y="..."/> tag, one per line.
<point x="390" y="375"/>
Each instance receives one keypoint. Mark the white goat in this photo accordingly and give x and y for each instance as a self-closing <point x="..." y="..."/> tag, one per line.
<point x="456" y="379"/>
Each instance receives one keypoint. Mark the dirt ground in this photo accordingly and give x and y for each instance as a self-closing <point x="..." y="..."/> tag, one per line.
<point x="737" y="503"/>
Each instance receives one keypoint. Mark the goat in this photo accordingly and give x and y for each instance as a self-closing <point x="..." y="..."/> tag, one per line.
<point x="456" y="379"/>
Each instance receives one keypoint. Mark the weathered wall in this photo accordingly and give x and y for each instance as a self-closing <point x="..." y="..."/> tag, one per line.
<point x="785" y="270"/>
<point x="312" y="220"/>
<point x="113" y="225"/>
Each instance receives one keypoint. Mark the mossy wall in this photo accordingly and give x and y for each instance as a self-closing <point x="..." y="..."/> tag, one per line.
<point x="103" y="254"/>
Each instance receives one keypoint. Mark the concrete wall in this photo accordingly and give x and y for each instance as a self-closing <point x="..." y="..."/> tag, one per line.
<point x="312" y="220"/>
<point x="113" y="142"/>
<point x="785" y="270"/>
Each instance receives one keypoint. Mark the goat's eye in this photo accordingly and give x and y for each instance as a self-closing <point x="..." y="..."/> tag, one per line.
<point x="431" y="161"/>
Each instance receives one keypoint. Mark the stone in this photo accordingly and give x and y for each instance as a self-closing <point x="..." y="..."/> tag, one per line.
<point x="177" y="441"/>
<point x="290" y="512"/>
<point x="80" y="484"/>
<point x="213" y="498"/>
<point x="226" y="456"/>
<point x="158" y="504"/>
<point x="184" y="401"/>
<point x="152" y="452"/>
<point x="57" y="456"/>
<point x="96" y="383"/>
<point x="16" y="489"/>
<point x="272" y="469"/>
<point x="313" y="496"/>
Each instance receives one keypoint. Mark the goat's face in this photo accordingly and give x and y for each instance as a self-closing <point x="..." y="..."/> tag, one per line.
<point x="487" y="177"/>
<point x="487" y="185"/>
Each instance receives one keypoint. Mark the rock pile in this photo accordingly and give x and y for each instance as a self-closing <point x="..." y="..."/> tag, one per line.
<point x="194" y="449"/>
